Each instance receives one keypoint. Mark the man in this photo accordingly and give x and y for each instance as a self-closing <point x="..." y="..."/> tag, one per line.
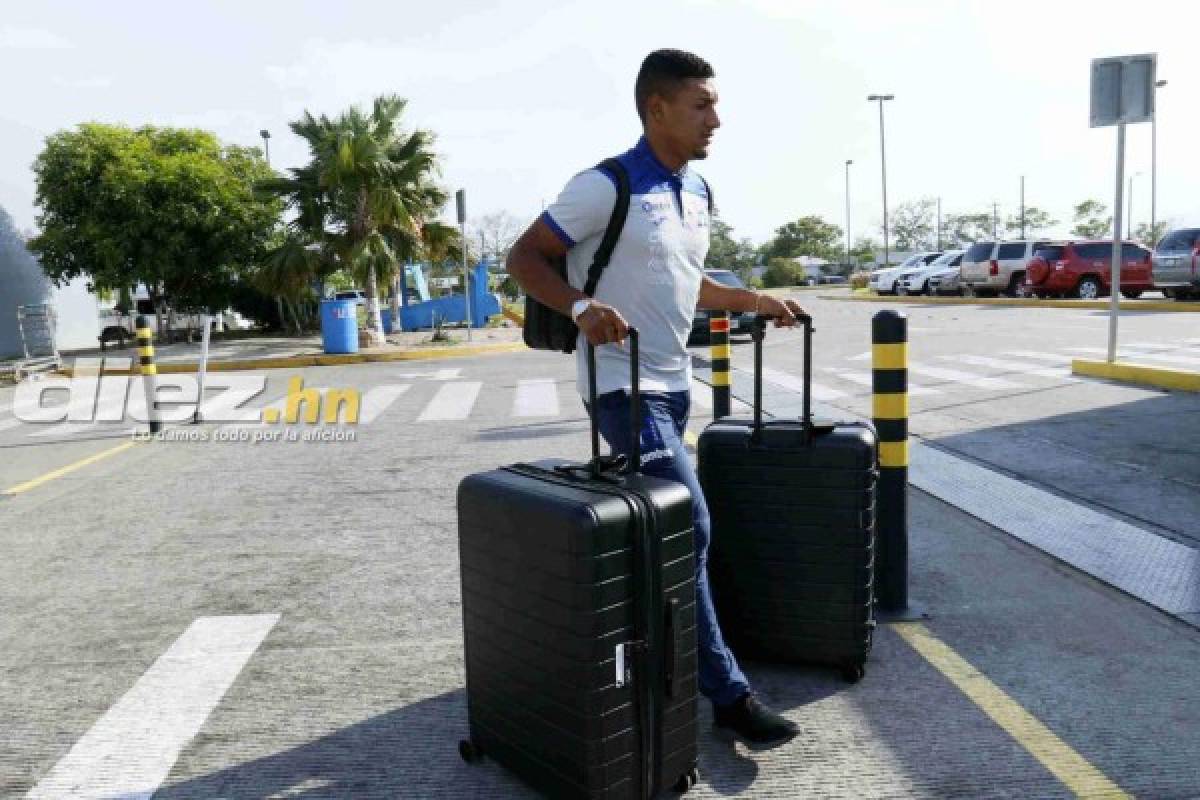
<point x="654" y="282"/>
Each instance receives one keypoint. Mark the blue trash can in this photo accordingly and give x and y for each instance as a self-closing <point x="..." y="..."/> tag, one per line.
<point x="339" y="326"/>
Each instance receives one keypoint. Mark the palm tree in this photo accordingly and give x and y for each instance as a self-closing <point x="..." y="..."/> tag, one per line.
<point x="366" y="195"/>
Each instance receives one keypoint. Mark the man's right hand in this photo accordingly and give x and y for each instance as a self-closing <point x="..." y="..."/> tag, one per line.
<point x="602" y="324"/>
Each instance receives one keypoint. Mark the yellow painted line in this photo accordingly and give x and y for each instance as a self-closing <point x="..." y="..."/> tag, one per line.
<point x="1163" y="378"/>
<point x="890" y="405"/>
<point x="58" y="473"/>
<point x="1075" y="772"/>
<point x="893" y="454"/>
<point x="889" y="356"/>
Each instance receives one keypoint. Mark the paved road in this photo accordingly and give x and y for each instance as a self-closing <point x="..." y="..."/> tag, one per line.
<point x="340" y="674"/>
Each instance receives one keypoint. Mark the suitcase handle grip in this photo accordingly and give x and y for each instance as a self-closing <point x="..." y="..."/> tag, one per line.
<point x="758" y="333"/>
<point x="634" y="461"/>
<point x="673" y="649"/>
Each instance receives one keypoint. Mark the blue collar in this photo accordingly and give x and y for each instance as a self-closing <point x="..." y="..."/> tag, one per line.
<point x="644" y="150"/>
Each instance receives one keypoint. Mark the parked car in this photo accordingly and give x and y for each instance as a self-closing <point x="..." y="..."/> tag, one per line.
<point x="946" y="282"/>
<point x="738" y="322"/>
<point x="1084" y="269"/>
<point x="991" y="268"/>
<point x="884" y="281"/>
<point x="833" y="279"/>
<point x="357" y="295"/>
<point x="1176" y="264"/>
<point x="917" y="281"/>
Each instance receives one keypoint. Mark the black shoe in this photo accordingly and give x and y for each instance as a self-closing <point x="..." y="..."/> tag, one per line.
<point x="749" y="718"/>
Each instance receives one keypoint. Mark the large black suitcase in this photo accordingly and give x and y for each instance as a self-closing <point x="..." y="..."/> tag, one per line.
<point x="792" y="502"/>
<point x="578" y="596"/>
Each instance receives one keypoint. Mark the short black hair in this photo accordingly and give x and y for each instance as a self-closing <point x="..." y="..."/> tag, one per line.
<point x="663" y="72"/>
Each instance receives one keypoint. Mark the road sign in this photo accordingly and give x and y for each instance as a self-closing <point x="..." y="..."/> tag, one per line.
<point x="1123" y="90"/>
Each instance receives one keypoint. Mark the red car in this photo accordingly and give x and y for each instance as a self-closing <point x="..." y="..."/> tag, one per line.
<point x="1084" y="269"/>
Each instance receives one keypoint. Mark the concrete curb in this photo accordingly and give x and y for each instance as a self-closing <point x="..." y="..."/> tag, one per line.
<point x="1138" y="374"/>
<point x="325" y="360"/>
<point x="1091" y="305"/>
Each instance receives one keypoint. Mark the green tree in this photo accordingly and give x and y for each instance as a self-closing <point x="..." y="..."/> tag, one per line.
<point x="913" y="225"/>
<point x="782" y="272"/>
<point x="807" y="236"/>
<point x="171" y="209"/>
<point x="1092" y="220"/>
<point x="1037" y="223"/>
<point x="962" y="230"/>
<point x="365" y="197"/>
<point x="724" y="252"/>
<point x="864" y="249"/>
<point x="1148" y="235"/>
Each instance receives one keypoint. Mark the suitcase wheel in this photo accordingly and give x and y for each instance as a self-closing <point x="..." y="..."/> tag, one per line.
<point x="853" y="673"/>
<point x="470" y="752"/>
<point x="687" y="781"/>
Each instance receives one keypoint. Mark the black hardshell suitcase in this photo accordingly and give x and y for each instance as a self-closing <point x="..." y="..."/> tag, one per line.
<point x="578" y="595"/>
<point x="791" y="563"/>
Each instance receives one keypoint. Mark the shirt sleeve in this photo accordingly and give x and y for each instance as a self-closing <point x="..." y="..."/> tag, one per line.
<point x="582" y="208"/>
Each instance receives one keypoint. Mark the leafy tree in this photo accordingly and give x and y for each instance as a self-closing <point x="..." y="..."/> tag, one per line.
<point x="782" y="272"/>
<point x="172" y="209"/>
<point x="807" y="236"/>
<point x="913" y="225"/>
<point x="498" y="230"/>
<point x="365" y="198"/>
<point x="726" y="253"/>
<point x="1092" y="220"/>
<point x="1149" y="235"/>
<point x="962" y="230"/>
<point x="1037" y="223"/>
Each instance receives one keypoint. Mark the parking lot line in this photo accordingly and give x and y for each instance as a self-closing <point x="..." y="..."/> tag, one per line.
<point x="1075" y="772"/>
<point x="130" y="750"/>
<point x="58" y="473"/>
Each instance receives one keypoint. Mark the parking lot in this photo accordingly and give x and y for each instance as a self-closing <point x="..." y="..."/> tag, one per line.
<point x="307" y="592"/>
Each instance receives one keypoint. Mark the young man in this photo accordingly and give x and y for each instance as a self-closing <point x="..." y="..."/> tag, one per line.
<point x="654" y="282"/>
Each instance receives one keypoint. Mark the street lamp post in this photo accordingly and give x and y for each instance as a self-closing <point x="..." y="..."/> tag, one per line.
<point x="848" y="163"/>
<point x="266" y="137"/>
<point x="1129" y="213"/>
<point x="881" y="98"/>
<point x="1154" y="166"/>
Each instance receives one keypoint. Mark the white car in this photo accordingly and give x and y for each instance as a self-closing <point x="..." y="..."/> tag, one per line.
<point x="884" y="281"/>
<point x="916" y="281"/>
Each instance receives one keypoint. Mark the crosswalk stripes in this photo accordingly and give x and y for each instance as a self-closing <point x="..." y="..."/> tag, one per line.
<point x="536" y="397"/>
<point x="1054" y="358"/>
<point x="378" y="400"/>
<point x="453" y="401"/>
<point x="820" y="393"/>
<point x="865" y="379"/>
<point x="967" y="378"/>
<point x="1062" y="373"/>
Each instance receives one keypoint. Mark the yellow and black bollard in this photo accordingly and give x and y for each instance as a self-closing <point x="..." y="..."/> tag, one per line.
<point x="718" y="333"/>
<point x="148" y="371"/>
<point x="889" y="350"/>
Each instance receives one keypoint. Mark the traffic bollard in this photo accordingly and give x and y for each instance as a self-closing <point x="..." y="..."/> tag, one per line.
<point x="718" y="333"/>
<point x="145" y="345"/>
<point x="889" y="351"/>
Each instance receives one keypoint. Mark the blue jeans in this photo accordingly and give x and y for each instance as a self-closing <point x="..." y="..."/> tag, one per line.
<point x="664" y="418"/>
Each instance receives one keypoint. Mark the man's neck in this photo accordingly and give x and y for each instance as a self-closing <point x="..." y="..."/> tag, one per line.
<point x="667" y="157"/>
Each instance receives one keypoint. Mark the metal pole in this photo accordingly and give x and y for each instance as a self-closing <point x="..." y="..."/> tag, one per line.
<point x="720" y="353"/>
<point x="1129" y="215"/>
<point x="1115" y="282"/>
<point x="466" y="280"/>
<point x="889" y="379"/>
<point x="1022" y="206"/>
<point x="883" y="167"/>
<point x="939" y="225"/>
<point x="1153" y="179"/>
<point x="848" y="163"/>
<point x="196" y="417"/>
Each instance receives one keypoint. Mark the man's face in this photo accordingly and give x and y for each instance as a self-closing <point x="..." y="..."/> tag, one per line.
<point x="689" y="118"/>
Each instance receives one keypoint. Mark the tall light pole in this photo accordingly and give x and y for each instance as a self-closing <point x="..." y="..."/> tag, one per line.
<point x="1129" y="214"/>
<point x="939" y="225"/>
<point x="881" y="98"/>
<point x="1022" y="207"/>
<point x="848" y="163"/>
<point x="995" y="217"/>
<point x="266" y="137"/>
<point x="1154" y="166"/>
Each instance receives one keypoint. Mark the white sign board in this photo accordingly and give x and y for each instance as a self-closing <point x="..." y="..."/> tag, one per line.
<point x="1123" y="90"/>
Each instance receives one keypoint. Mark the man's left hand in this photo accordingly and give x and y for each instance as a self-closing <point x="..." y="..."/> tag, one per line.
<point x="785" y="312"/>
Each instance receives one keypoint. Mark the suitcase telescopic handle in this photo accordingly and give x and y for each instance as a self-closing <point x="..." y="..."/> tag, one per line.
<point x="758" y="333"/>
<point x="635" y="405"/>
<point x="674" y="645"/>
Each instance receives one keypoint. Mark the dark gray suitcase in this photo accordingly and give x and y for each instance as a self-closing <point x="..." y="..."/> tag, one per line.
<point x="791" y="562"/>
<point x="578" y="594"/>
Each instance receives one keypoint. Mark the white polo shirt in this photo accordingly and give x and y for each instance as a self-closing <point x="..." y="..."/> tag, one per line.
<point x="653" y="278"/>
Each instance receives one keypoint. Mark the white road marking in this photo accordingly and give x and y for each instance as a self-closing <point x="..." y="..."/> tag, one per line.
<point x="861" y="357"/>
<point x="536" y="397"/>
<point x="1037" y="356"/>
<point x="439" y="375"/>
<point x="701" y="395"/>
<point x="966" y="378"/>
<point x="130" y="750"/>
<point x="378" y="400"/>
<point x="789" y="381"/>
<point x="1059" y="373"/>
<point x="864" y="379"/>
<point x="453" y="401"/>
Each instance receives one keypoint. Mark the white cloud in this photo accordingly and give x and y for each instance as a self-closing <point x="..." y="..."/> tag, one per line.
<point x="95" y="82"/>
<point x="14" y="38"/>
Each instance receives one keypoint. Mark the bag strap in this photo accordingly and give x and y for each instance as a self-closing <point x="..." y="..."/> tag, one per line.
<point x="707" y="191"/>
<point x="616" y="222"/>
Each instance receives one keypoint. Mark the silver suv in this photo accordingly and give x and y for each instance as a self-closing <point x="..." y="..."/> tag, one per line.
<point x="991" y="268"/>
<point x="1176" y="264"/>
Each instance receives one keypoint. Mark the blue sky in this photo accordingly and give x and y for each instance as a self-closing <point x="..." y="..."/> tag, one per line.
<point x="524" y="94"/>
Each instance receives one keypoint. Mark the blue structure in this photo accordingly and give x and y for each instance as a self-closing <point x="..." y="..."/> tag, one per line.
<point x="426" y="313"/>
